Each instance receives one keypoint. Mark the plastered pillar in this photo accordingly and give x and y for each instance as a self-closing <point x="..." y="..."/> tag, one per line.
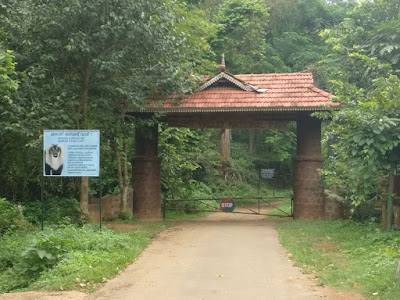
<point x="308" y="190"/>
<point x="146" y="174"/>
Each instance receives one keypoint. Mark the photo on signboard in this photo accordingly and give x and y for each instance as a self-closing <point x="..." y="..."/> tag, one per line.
<point x="54" y="159"/>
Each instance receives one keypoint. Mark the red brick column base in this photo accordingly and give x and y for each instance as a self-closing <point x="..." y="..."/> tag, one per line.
<point x="308" y="191"/>
<point x="147" y="188"/>
<point x="146" y="174"/>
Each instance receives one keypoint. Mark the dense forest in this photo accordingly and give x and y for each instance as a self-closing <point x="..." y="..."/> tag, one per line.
<point x="85" y="64"/>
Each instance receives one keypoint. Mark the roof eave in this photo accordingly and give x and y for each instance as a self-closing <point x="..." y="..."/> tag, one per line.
<point x="236" y="109"/>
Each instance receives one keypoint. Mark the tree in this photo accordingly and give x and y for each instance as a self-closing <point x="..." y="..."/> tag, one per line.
<point x="363" y="44"/>
<point x="85" y="56"/>
<point x="189" y="160"/>
<point x="365" y="137"/>
<point x="385" y="43"/>
<point x="7" y="70"/>
<point x="242" y="37"/>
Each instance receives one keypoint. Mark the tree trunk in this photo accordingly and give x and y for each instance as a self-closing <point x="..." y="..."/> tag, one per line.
<point x="398" y="271"/>
<point x="118" y="161"/>
<point x="251" y="141"/>
<point x="123" y="178"/>
<point x="84" y="203"/>
<point x="396" y="213"/>
<point x="226" y="144"/>
<point x="83" y="109"/>
<point x="389" y="205"/>
<point x="125" y="181"/>
<point x="384" y="216"/>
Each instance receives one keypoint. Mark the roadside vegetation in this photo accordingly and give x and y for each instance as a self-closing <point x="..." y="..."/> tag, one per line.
<point x="67" y="256"/>
<point x="69" y="65"/>
<point x="346" y="255"/>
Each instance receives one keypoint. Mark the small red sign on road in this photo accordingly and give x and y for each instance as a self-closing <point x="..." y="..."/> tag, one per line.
<point x="227" y="205"/>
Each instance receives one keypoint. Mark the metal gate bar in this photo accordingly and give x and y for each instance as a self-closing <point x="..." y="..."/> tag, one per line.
<point x="204" y="202"/>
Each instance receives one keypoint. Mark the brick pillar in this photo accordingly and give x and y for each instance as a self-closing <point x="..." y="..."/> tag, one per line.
<point x="146" y="173"/>
<point x="308" y="190"/>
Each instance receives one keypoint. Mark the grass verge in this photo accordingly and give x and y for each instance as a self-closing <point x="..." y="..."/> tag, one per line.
<point x="345" y="255"/>
<point x="283" y="210"/>
<point x="93" y="257"/>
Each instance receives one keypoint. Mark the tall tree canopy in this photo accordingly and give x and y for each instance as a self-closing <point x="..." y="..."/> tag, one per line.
<point x="83" y="58"/>
<point x="242" y="37"/>
<point x="84" y="64"/>
<point x="361" y="70"/>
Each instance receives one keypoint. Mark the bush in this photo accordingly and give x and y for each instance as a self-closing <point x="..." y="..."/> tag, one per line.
<point x="11" y="246"/>
<point x="126" y="215"/>
<point x="365" y="212"/>
<point x="24" y="257"/>
<point x="55" y="257"/>
<point x="11" y="218"/>
<point x="43" y="255"/>
<point x="57" y="210"/>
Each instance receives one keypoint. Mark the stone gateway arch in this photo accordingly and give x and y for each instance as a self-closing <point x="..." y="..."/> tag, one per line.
<point x="226" y="101"/>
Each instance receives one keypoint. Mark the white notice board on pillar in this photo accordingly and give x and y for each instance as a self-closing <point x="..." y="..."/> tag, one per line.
<point x="267" y="173"/>
<point x="71" y="153"/>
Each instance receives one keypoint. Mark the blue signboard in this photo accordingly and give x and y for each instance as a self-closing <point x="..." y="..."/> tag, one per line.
<point x="71" y="153"/>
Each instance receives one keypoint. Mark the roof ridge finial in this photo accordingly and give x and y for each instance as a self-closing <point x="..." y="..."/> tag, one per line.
<point x="223" y="67"/>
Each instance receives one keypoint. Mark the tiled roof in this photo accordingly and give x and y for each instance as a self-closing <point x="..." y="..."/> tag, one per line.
<point x="270" y="92"/>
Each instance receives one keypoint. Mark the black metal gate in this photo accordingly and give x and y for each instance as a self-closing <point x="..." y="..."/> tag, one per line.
<point x="234" y="205"/>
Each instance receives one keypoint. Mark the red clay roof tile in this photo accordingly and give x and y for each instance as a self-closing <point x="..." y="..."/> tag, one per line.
<point x="284" y="90"/>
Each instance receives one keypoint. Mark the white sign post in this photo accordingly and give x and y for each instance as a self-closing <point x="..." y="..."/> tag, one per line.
<point x="267" y="173"/>
<point x="71" y="153"/>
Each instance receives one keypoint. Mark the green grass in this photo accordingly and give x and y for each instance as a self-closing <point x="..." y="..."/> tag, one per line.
<point x="235" y="190"/>
<point x="94" y="258"/>
<point x="282" y="210"/>
<point x="346" y="255"/>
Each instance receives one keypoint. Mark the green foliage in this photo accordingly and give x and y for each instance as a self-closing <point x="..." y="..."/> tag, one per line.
<point x="173" y="41"/>
<point x="11" y="218"/>
<point x="343" y="253"/>
<point x="364" y="44"/>
<point x="385" y="42"/>
<point x="294" y="26"/>
<point x="242" y="38"/>
<point x="278" y="152"/>
<point x="21" y="269"/>
<point x="197" y="30"/>
<point x="8" y="215"/>
<point x="186" y="158"/>
<point x="58" y="210"/>
<point x="43" y="255"/>
<point x="68" y="252"/>
<point x="75" y="68"/>
<point x="126" y="215"/>
<point x="281" y="145"/>
<point x="273" y="149"/>
<point x="364" y="139"/>
<point x="7" y="70"/>
<point x="242" y="167"/>
<point x="307" y="16"/>
<point x="283" y="209"/>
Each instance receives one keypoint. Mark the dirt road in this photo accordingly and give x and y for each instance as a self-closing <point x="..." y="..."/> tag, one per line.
<point x="223" y="256"/>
